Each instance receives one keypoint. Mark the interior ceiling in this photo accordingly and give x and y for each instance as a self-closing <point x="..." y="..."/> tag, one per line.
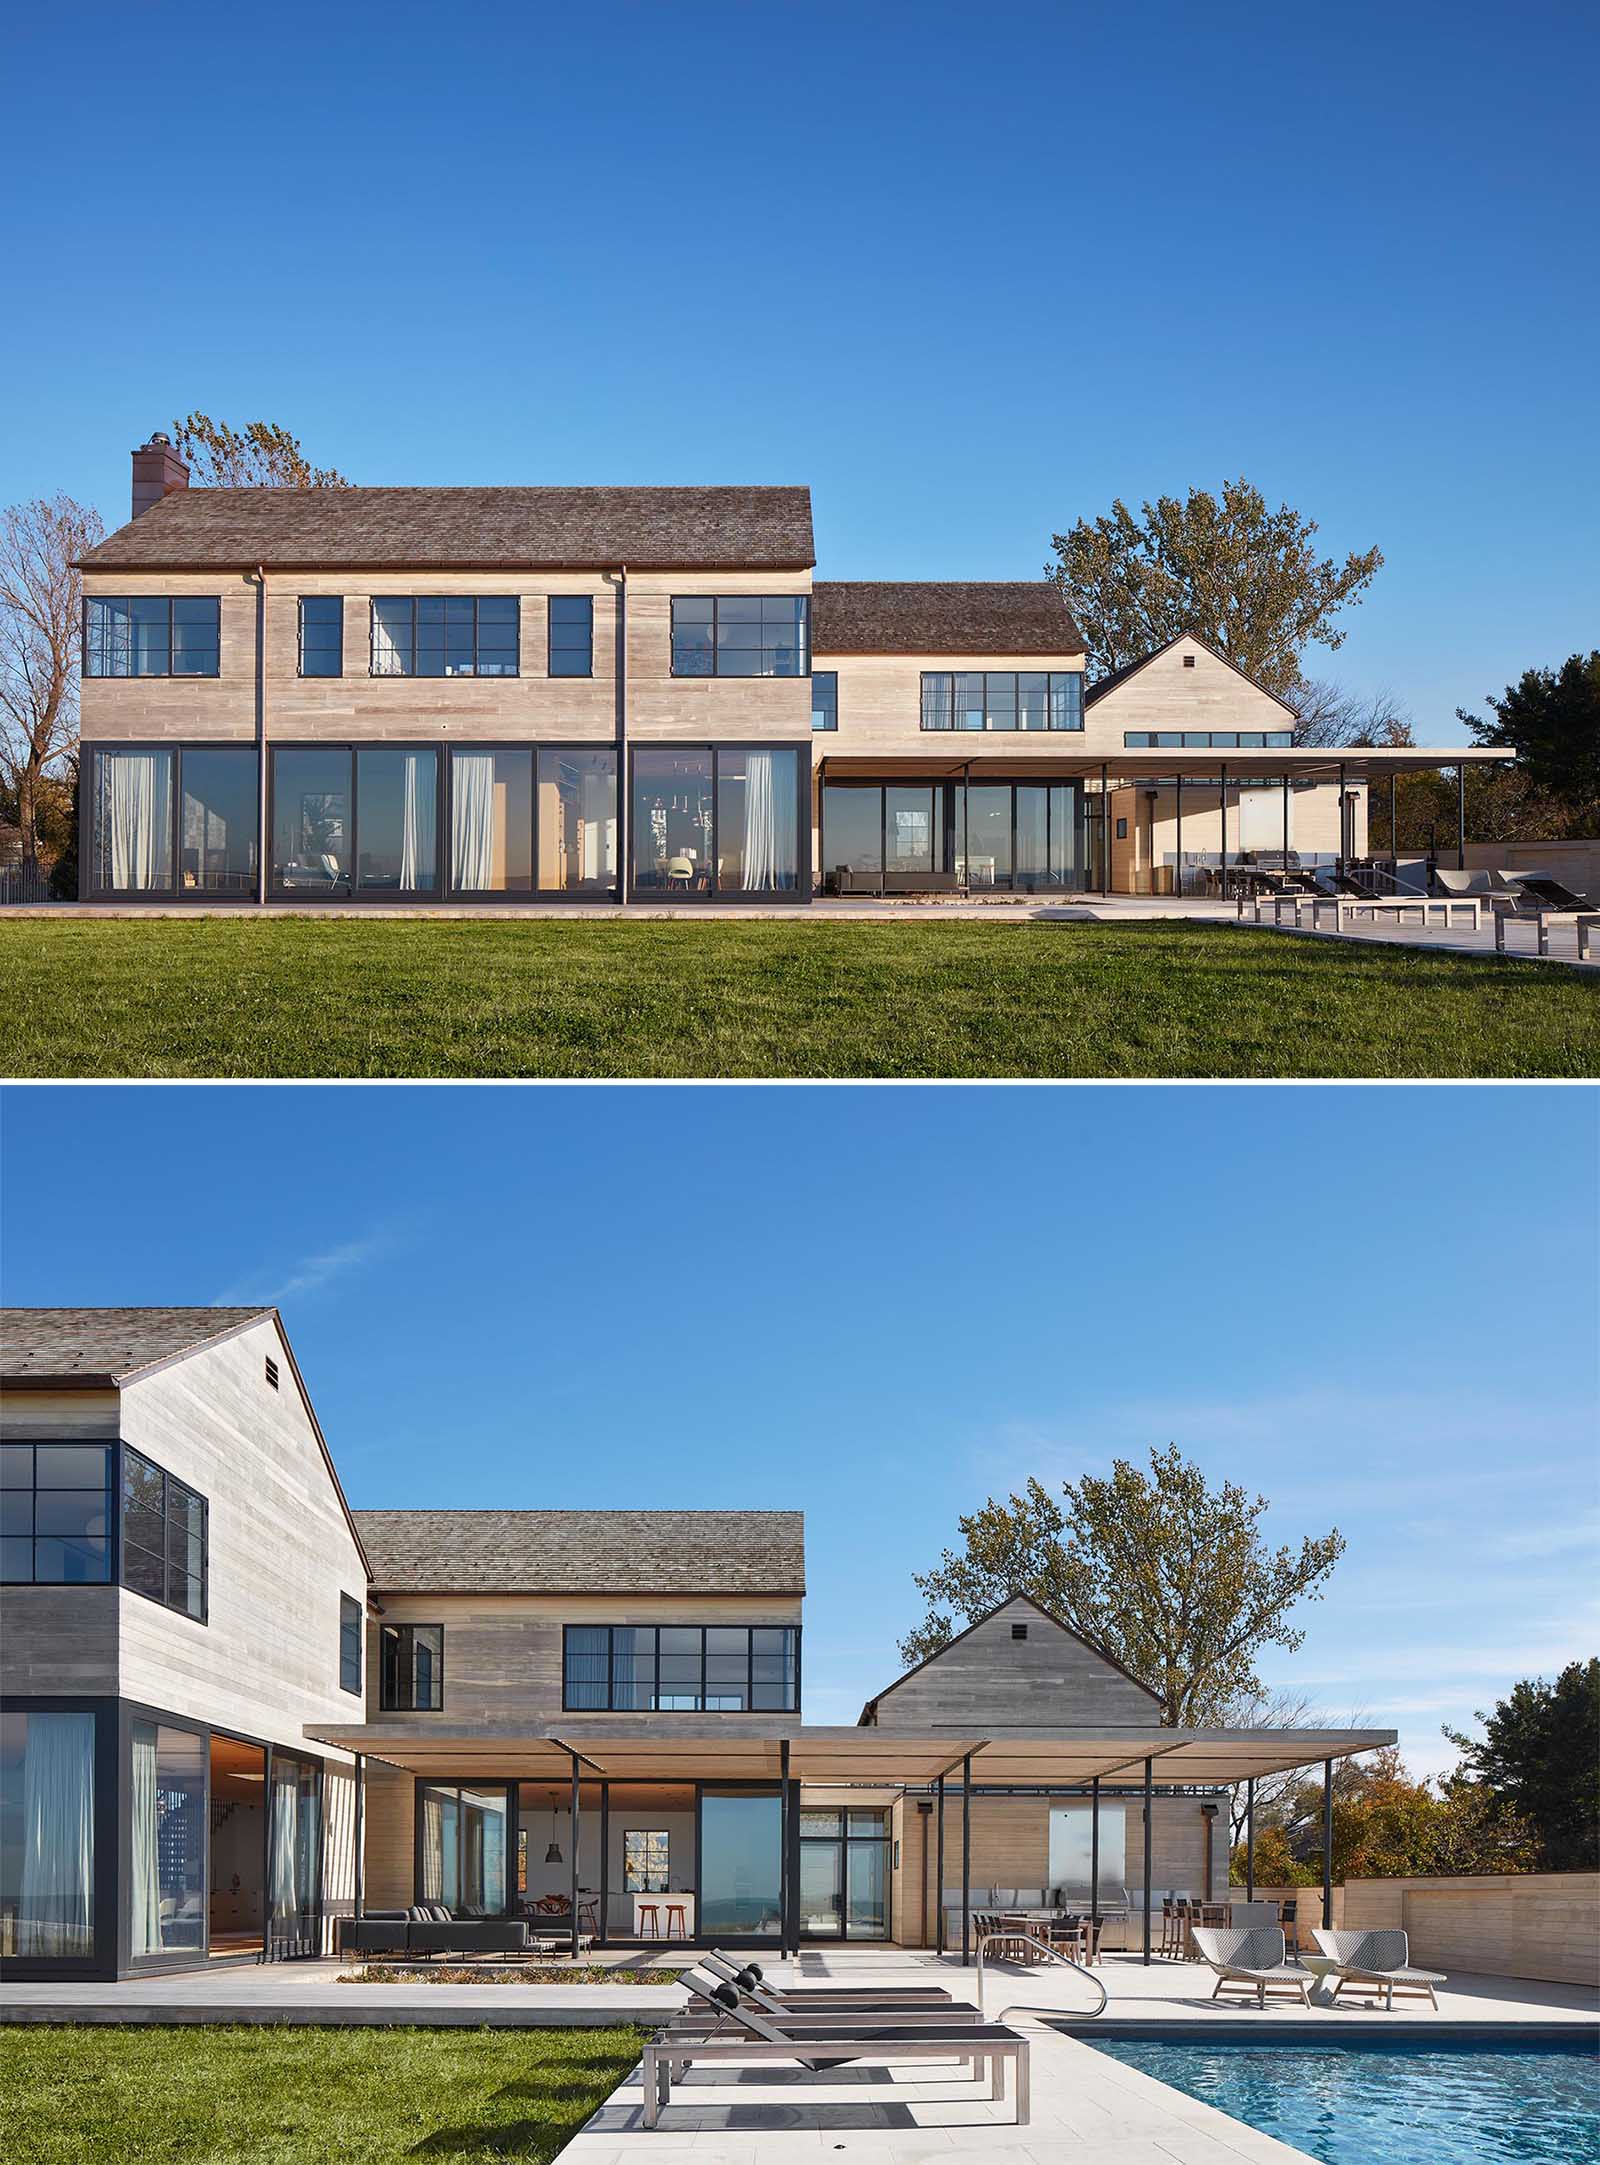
<point x="238" y="1771"/>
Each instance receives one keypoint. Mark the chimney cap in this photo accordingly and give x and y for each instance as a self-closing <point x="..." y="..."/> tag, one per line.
<point x="160" y="436"/>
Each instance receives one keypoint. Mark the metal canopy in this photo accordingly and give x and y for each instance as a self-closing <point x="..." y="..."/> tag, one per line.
<point x="655" y="1748"/>
<point x="1358" y="763"/>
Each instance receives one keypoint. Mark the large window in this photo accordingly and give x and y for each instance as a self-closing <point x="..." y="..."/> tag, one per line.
<point x="47" y="1799"/>
<point x="444" y="635"/>
<point x="571" y="635"/>
<point x="163" y="1536"/>
<point x="1025" y="836"/>
<point x="55" y="1513"/>
<point x="217" y="840"/>
<point x="844" y="1873"/>
<point x="1004" y="699"/>
<point x="397" y="819"/>
<point x="1207" y="740"/>
<point x="741" y="1864"/>
<point x="577" y="822"/>
<point x="311" y="821"/>
<point x="151" y="635"/>
<point x="352" y="1614"/>
<point x="167" y="1840"/>
<point x="461" y="1849"/>
<point x="172" y="819"/>
<point x="824" y="698"/>
<point x="321" y="635"/>
<point x="411" y="1673"/>
<point x="491" y="822"/>
<point x="682" y="1668"/>
<point x="295" y="1875"/>
<point x="522" y="820"/>
<point x="645" y="1854"/>
<point x="133" y="799"/>
<point x="741" y="635"/>
<point x="717" y="821"/>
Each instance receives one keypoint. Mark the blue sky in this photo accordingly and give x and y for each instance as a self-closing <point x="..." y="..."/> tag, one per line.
<point x="881" y="1305"/>
<point x="970" y="274"/>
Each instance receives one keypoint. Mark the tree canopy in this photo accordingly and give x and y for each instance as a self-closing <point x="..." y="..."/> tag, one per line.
<point x="1171" y="1577"/>
<point x="1539" y="1762"/>
<point x="1385" y="1826"/>
<point x="41" y="594"/>
<point x="262" y="455"/>
<point x="1551" y="718"/>
<point x="1247" y="579"/>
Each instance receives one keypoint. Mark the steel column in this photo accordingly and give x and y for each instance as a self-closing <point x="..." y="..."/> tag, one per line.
<point x="361" y="1806"/>
<point x="1177" y="873"/>
<point x="573" y="1878"/>
<point x="1461" y="816"/>
<point x="1341" y="818"/>
<point x="1149" y="1799"/>
<point x="938" y="1867"/>
<point x="1327" y="1844"/>
<point x="1394" y="823"/>
<point x="603" y="1919"/>
<point x="1250" y="1839"/>
<point x="1222" y="807"/>
<point x="783" y="1838"/>
<point x="966" y="1860"/>
<point x="1094" y="1834"/>
<point x="1286" y="819"/>
<point x="1105" y="828"/>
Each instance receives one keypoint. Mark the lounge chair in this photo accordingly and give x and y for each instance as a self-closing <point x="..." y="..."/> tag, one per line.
<point x="1376" y="1962"/>
<point x="751" y="1980"/>
<point x="816" y="2045"/>
<point x="1251" y="1961"/>
<point x="1496" y="890"/>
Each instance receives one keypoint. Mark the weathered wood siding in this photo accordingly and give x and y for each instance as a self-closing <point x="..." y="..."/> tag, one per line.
<point x="1165" y="694"/>
<point x="987" y="1681"/>
<point x="880" y="710"/>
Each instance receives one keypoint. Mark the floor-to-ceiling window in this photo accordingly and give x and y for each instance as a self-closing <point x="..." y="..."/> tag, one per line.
<point x="1026" y="836"/>
<point x="741" y="1863"/>
<point x="577" y="821"/>
<point x="237" y="1889"/>
<point x="217" y="839"/>
<point x="167" y="1840"/>
<point x="461" y="1848"/>
<point x="397" y="813"/>
<point x="311" y="820"/>
<point x="717" y="821"/>
<point x="47" y="1859"/>
<point x="295" y="1856"/>
<point x="844" y="1872"/>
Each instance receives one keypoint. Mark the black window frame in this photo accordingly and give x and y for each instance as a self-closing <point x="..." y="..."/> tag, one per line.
<point x="175" y="890"/>
<point x="947" y="677"/>
<point x="715" y="750"/>
<point x="352" y="1627"/>
<point x="829" y="677"/>
<point x="412" y="674"/>
<point x="110" y="1494"/>
<point x="132" y="676"/>
<point x="387" y="1702"/>
<point x="586" y="648"/>
<point x="1207" y="740"/>
<point x="572" y="1706"/>
<point x="743" y="676"/>
<point x="336" y="603"/>
<point x="169" y="1482"/>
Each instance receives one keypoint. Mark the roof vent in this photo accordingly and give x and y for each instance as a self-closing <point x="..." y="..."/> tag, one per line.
<point x="1188" y="661"/>
<point x="272" y="1372"/>
<point x="1019" y="1631"/>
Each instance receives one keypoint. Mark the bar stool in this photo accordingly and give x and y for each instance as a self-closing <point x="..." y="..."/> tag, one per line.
<point x="677" y="1909"/>
<point x="649" y="1920"/>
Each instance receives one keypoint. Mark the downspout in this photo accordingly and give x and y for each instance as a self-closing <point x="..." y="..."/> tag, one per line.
<point x="622" y="734"/>
<point x="259" y="578"/>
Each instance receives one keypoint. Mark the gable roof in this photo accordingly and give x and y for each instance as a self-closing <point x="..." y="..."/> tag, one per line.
<point x="108" y="1346"/>
<point x="586" y="1552"/>
<point x="512" y="529"/>
<point x="999" y="1609"/>
<point x="941" y="616"/>
<point x="1114" y="677"/>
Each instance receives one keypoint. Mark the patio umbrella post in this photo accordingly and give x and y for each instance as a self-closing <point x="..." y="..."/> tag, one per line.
<point x="1149" y="1797"/>
<point x="966" y="1860"/>
<point x="1094" y="1844"/>
<point x="1250" y="1839"/>
<point x="573" y="1884"/>
<point x="1327" y="1844"/>
<point x="938" y="1867"/>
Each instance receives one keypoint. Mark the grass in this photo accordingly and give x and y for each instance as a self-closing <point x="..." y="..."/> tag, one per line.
<point x="428" y="997"/>
<point x="195" y="2095"/>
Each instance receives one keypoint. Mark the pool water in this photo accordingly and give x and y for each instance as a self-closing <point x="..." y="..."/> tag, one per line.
<point x="1399" y="2104"/>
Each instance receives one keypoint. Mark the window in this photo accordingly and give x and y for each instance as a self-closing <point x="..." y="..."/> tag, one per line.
<point x="151" y="635"/>
<point x="461" y="1849"/>
<point x="397" y="819"/>
<point x="167" y="1840"/>
<point x="577" y="822"/>
<point x="217" y="837"/>
<point x="351" y="1616"/>
<point x="311" y="821"/>
<point x="571" y="635"/>
<point x="163" y="1536"/>
<point x="133" y="794"/>
<point x="55" y="1513"/>
<point x="824" y="698"/>
<point x="1004" y="699"/>
<point x="682" y="1668"/>
<point x="716" y="821"/>
<point x="47" y="1815"/>
<point x="1207" y="740"/>
<point x="444" y="635"/>
<point x="322" y="635"/>
<point x="644" y="1861"/>
<point x="742" y="635"/>
<point x="411" y="1677"/>
<point x="156" y="807"/>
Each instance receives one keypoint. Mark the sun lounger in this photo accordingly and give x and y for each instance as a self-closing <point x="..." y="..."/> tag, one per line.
<point x="750" y="1979"/>
<point x="1376" y="1962"/>
<point x="817" y="2045"/>
<point x="1251" y="1961"/>
<point x="715" y="2000"/>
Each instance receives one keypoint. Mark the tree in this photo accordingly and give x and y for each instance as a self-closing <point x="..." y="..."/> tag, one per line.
<point x="1244" y="578"/>
<point x="1326" y="714"/>
<point x="1168" y="1575"/>
<point x="1267" y="1710"/>
<point x="41" y="597"/>
<point x="1385" y="1826"/>
<point x="1539" y="1760"/>
<point x="1552" y="720"/>
<point x="263" y="456"/>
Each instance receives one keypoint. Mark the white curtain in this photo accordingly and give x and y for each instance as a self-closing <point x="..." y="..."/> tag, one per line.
<point x="770" y="806"/>
<point x="146" y="1890"/>
<point x="285" y="1847"/>
<point x="598" y="809"/>
<point x="432" y="1847"/>
<point x="417" y="821"/>
<point x="472" y="820"/>
<point x="140" y="817"/>
<point x="55" y="1906"/>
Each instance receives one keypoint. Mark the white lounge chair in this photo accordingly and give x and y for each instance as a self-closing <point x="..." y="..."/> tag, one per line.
<point x="1251" y="1961"/>
<point x="1376" y="1962"/>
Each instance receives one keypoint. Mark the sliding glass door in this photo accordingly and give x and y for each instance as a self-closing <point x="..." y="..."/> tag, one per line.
<point x="719" y="821"/>
<point x="741" y="1863"/>
<point x="295" y="1857"/>
<point x="1026" y="837"/>
<point x="844" y="1873"/>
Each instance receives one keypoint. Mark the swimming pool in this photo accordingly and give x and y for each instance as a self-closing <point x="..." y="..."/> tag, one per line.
<point x="1434" y="2103"/>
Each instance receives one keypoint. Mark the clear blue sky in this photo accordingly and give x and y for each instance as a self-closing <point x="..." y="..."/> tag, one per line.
<point x="881" y="1305"/>
<point x="969" y="272"/>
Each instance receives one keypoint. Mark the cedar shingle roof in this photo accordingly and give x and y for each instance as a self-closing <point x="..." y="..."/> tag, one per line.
<point x="695" y="529"/>
<point x="585" y="1552"/>
<point x="106" y="1344"/>
<point x="941" y="616"/>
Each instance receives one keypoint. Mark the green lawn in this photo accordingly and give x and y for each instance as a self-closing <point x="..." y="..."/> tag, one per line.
<point x="269" y="2096"/>
<point x="432" y="997"/>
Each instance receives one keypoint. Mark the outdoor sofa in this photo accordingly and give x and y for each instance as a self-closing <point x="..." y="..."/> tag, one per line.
<point x="1376" y="1962"/>
<point x="429" y="1929"/>
<point x="1254" y="1960"/>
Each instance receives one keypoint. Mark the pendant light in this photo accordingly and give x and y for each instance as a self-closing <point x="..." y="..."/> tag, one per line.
<point x="553" y="1854"/>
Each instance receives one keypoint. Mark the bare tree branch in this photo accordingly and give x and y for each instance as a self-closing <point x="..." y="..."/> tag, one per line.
<point x="41" y="597"/>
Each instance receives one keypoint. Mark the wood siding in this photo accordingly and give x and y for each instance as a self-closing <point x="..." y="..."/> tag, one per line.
<point x="1164" y="694"/>
<point x="1537" y="1924"/>
<point x="880" y="710"/>
<point x="986" y="1681"/>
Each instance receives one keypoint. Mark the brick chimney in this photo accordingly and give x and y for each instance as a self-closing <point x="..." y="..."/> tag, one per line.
<point x="157" y="471"/>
